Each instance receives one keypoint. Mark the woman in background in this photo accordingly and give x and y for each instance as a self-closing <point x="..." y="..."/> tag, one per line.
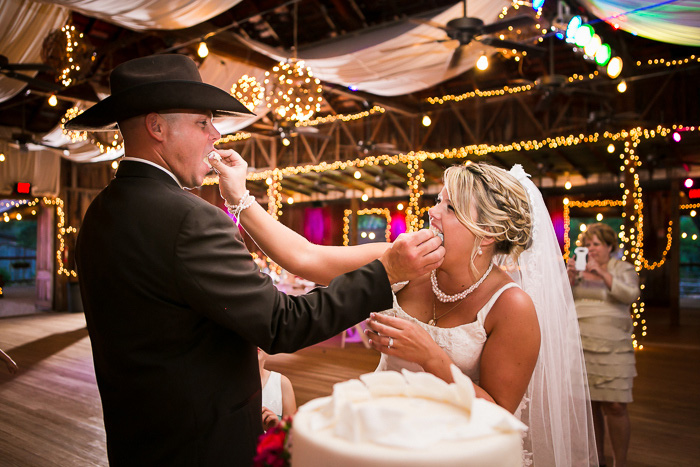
<point x="278" y="399"/>
<point x="603" y="293"/>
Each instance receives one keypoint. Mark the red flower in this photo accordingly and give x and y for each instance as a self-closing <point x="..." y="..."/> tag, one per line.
<point x="272" y="449"/>
<point x="273" y="439"/>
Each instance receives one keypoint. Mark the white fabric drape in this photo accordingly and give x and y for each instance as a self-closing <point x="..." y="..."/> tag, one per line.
<point x="223" y="73"/>
<point x="23" y="26"/>
<point x="676" y="22"/>
<point x="41" y="168"/>
<point x="367" y="62"/>
<point x="141" y="15"/>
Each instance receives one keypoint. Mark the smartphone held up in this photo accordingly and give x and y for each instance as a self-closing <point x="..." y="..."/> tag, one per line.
<point x="581" y="253"/>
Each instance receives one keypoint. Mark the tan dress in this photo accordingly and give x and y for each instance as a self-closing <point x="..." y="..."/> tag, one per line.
<point x="606" y="329"/>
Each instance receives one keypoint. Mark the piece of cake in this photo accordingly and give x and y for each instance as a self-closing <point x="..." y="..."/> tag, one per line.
<point x="437" y="232"/>
<point x="392" y="419"/>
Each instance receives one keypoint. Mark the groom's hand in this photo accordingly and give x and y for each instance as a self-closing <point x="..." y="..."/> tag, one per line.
<point x="412" y="255"/>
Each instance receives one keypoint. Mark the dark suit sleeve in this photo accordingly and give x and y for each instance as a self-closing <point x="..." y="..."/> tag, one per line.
<point x="217" y="277"/>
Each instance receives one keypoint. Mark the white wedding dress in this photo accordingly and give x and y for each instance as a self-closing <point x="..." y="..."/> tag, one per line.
<point x="556" y="406"/>
<point x="463" y="344"/>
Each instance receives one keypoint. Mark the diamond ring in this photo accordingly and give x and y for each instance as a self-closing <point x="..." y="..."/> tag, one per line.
<point x="391" y="342"/>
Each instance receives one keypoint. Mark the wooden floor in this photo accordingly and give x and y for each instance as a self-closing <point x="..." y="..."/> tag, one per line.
<point x="50" y="412"/>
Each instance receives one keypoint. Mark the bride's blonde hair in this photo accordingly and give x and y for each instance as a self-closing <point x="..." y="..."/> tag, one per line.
<point x="502" y="208"/>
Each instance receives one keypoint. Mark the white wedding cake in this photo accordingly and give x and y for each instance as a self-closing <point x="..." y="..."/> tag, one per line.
<point x="392" y="419"/>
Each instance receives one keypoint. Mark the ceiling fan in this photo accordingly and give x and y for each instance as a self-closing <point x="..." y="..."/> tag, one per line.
<point x="287" y="129"/>
<point x="463" y="30"/>
<point x="25" y="141"/>
<point x="367" y="145"/>
<point x="11" y="71"/>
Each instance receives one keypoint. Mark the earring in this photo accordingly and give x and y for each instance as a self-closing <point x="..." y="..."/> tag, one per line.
<point x="479" y="252"/>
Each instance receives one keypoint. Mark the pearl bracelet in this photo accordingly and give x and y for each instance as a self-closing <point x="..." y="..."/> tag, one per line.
<point x="245" y="202"/>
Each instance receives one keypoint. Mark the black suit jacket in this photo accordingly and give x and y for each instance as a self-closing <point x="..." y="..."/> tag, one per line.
<point x="176" y="307"/>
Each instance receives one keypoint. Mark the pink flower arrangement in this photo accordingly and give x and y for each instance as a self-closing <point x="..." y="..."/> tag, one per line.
<point x="273" y="446"/>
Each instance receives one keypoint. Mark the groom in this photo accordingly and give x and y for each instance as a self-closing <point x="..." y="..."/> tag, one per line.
<point x="175" y="305"/>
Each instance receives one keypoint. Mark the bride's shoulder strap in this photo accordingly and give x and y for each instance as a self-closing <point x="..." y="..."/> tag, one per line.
<point x="481" y="315"/>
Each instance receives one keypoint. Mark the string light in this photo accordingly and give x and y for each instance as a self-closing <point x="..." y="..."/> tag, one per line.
<point x="248" y="91"/>
<point x="234" y="137"/>
<point x="292" y="92"/>
<point x="363" y="212"/>
<point x="113" y="141"/>
<point x="342" y="117"/>
<point x="69" y="52"/>
<point x="413" y="160"/>
<point x="75" y="136"/>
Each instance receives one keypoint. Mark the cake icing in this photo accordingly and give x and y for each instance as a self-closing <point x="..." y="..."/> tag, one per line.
<point x="405" y="419"/>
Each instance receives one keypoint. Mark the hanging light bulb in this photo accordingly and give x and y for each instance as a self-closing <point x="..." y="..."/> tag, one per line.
<point x="572" y="27"/>
<point x="286" y="141"/>
<point x="426" y="120"/>
<point x="614" y="67"/>
<point x="53" y="100"/>
<point x="483" y="62"/>
<point x="202" y="50"/>
<point x="622" y="86"/>
<point x="567" y="185"/>
<point x="537" y="4"/>
<point x="593" y="45"/>
<point x="583" y="35"/>
<point x="603" y="54"/>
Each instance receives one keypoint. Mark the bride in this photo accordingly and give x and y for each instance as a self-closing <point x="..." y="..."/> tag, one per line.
<point x="511" y="327"/>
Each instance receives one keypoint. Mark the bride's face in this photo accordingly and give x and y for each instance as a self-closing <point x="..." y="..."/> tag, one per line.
<point x="458" y="240"/>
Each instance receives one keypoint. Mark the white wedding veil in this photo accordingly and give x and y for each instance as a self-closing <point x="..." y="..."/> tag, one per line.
<point x="558" y="408"/>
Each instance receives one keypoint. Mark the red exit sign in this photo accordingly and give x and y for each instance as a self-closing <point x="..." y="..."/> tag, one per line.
<point x="23" y="188"/>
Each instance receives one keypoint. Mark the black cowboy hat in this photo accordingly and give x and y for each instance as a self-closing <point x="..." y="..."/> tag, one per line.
<point x="153" y="83"/>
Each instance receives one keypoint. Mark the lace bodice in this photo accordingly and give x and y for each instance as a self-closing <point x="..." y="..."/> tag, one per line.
<point x="463" y="344"/>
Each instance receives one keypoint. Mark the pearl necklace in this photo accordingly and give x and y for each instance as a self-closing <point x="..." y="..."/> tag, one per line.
<point x="444" y="298"/>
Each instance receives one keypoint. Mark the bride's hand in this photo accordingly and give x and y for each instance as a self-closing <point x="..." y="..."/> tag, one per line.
<point x="401" y="338"/>
<point x="232" y="170"/>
